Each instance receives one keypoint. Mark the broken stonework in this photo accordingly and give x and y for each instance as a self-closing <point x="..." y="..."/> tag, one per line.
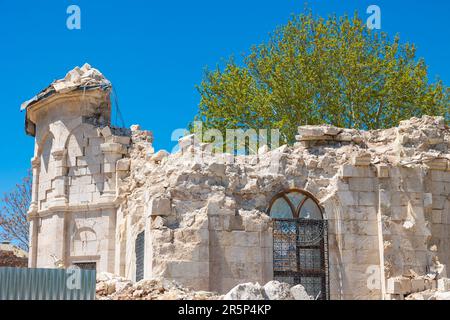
<point x="273" y="290"/>
<point x="246" y="291"/>
<point x="207" y="221"/>
<point x="112" y="287"/>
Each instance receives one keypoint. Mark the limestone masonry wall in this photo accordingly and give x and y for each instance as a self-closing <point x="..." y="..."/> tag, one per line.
<point x="205" y="219"/>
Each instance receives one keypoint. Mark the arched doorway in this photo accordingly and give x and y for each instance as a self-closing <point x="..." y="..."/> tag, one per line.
<point x="300" y="242"/>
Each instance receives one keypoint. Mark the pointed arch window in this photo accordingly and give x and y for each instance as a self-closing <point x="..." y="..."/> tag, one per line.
<point x="295" y="203"/>
<point x="300" y="242"/>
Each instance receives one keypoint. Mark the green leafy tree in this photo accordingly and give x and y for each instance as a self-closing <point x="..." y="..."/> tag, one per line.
<point x="314" y="71"/>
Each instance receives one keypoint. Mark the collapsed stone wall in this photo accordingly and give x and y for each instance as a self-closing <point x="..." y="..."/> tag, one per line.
<point x="384" y="193"/>
<point x="205" y="219"/>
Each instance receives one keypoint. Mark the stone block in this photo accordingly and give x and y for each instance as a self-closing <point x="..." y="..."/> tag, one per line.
<point x="92" y="158"/>
<point x="361" y="159"/>
<point x="428" y="200"/>
<point x="184" y="269"/>
<point x="95" y="141"/>
<point x="438" y="164"/>
<point x="215" y="222"/>
<point x="436" y="216"/>
<point x="59" y="185"/>
<point x="233" y="222"/>
<point x="123" y="164"/>
<point x="256" y="223"/>
<point x="348" y="198"/>
<point x="109" y="167"/>
<point x="106" y="132"/>
<point x="93" y="150"/>
<point x="360" y="242"/>
<point x="362" y="213"/>
<point x="367" y="199"/>
<point x="364" y="228"/>
<point x="159" y="156"/>
<point x="344" y="137"/>
<point x="440" y="176"/>
<point x="74" y="151"/>
<point x="119" y="139"/>
<point x="245" y="238"/>
<point x="267" y="240"/>
<point x="112" y="147"/>
<point x="198" y="253"/>
<point x="417" y="285"/>
<point x="443" y="284"/>
<point x="399" y="198"/>
<point x="81" y="161"/>
<point x="353" y="257"/>
<point x="89" y="188"/>
<point x="350" y="171"/>
<point x="81" y="180"/>
<point x="438" y="201"/>
<point x="382" y="171"/>
<point x="159" y="206"/>
<point x="399" y="297"/>
<point x="416" y="211"/>
<point x="413" y="184"/>
<point x="60" y="171"/>
<point x="398" y="286"/>
<point x="406" y="285"/>
<point x="187" y="141"/>
<point x="361" y="184"/>
<point x="384" y="199"/>
<point x="312" y="133"/>
<point x="93" y="169"/>
<point x="399" y="213"/>
<point x="438" y="188"/>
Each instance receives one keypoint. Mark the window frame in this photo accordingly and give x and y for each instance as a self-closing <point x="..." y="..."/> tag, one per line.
<point x="295" y="211"/>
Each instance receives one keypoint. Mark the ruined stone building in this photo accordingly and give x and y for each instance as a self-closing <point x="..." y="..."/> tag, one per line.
<point x="340" y="211"/>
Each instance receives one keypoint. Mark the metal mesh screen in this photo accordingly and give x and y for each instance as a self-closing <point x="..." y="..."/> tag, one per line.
<point x="140" y="245"/>
<point x="86" y="265"/>
<point x="300" y="254"/>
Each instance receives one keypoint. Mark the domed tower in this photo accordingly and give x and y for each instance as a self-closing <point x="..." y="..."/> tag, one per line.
<point x="73" y="210"/>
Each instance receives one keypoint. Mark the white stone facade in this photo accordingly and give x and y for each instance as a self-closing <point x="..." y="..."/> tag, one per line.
<point x="385" y="195"/>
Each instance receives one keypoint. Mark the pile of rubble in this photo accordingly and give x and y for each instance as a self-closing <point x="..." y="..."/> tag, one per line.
<point x="414" y="141"/>
<point x="272" y="290"/>
<point x="11" y="256"/>
<point x="84" y="78"/>
<point x="433" y="286"/>
<point x="424" y="288"/>
<point x="111" y="287"/>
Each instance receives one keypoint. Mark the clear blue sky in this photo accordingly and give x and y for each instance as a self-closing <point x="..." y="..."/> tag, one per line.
<point x="155" y="51"/>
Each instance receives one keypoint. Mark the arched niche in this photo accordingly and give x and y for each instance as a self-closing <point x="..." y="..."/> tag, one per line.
<point x="84" y="242"/>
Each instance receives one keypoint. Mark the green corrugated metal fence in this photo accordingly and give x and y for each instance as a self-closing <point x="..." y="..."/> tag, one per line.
<point x="47" y="284"/>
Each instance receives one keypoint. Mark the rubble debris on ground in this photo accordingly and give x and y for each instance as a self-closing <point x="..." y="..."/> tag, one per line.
<point x="411" y="286"/>
<point x="272" y="290"/>
<point x="84" y="78"/>
<point x="12" y="256"/>
<point x="111" y="287"/>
